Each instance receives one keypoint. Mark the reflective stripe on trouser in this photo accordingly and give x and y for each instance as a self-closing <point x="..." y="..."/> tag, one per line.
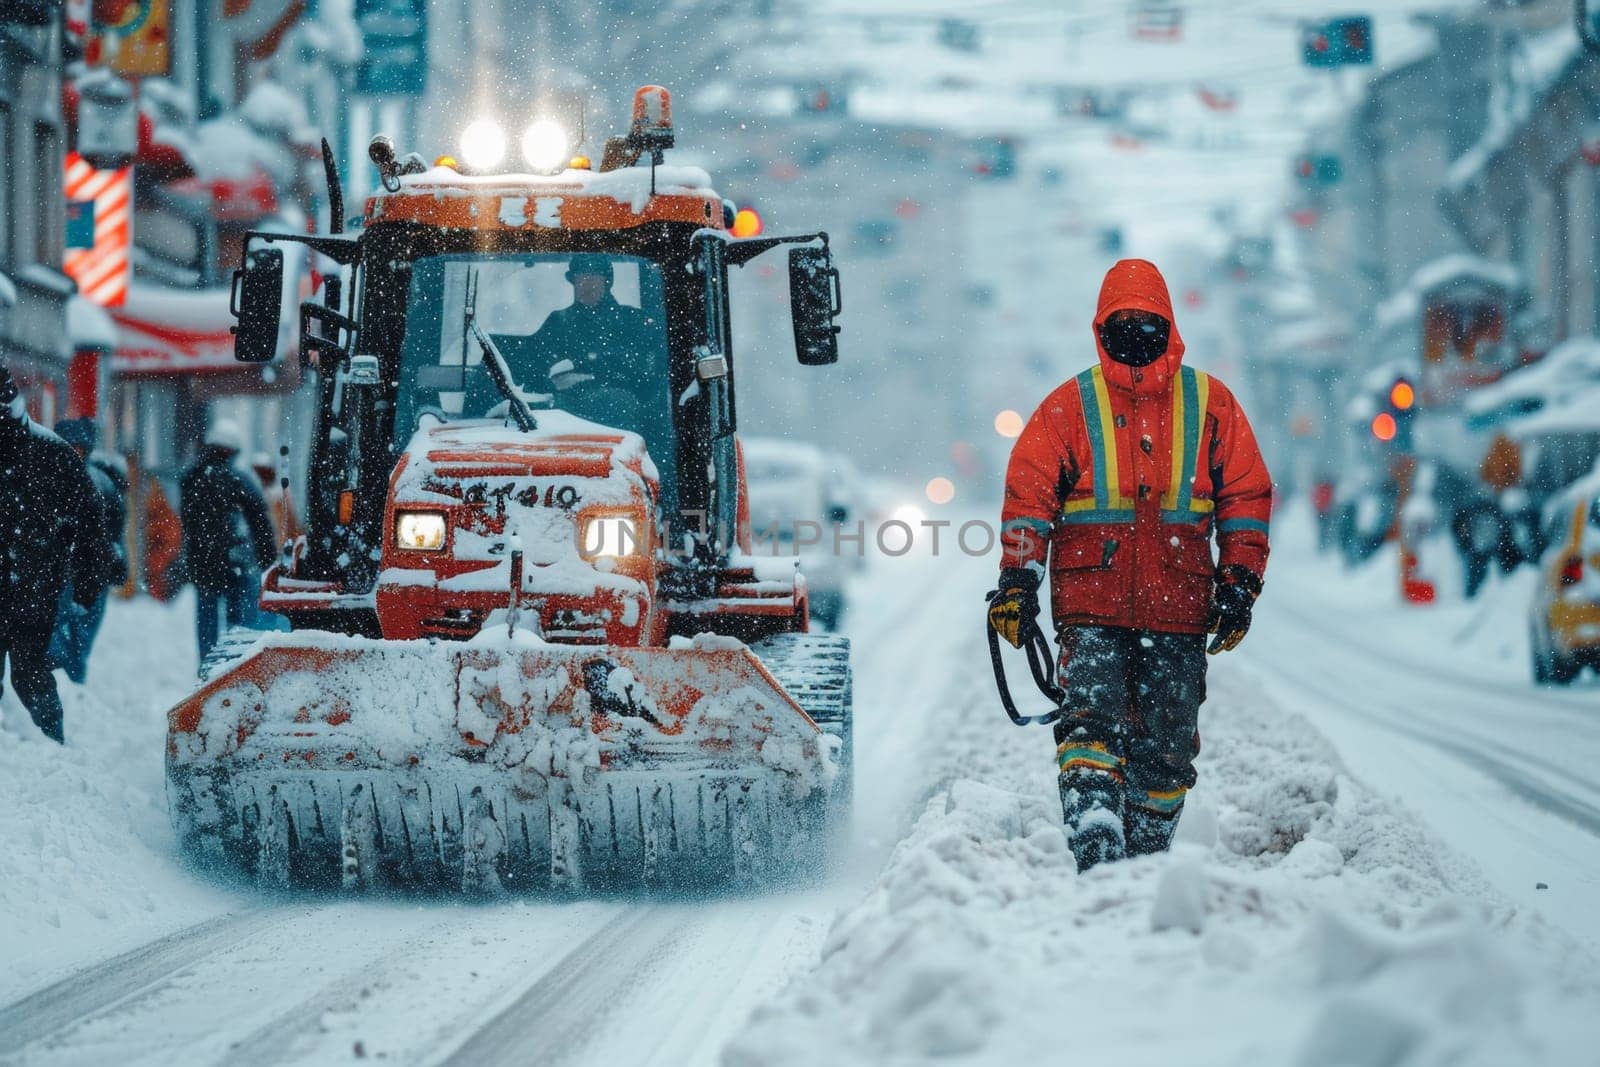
<point x="1093" y="798"/>
<point x="1133" y="701"/>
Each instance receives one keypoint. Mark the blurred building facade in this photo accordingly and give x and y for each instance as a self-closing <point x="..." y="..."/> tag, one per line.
<point x="33" y="290"/>
<point x="1474" y="163"/>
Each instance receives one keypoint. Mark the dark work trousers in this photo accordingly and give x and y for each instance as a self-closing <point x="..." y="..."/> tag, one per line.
<point x="28" y="653"/>
<point x="1127" y="741"/>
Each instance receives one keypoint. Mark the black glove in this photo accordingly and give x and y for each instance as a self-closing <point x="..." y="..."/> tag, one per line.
<point x="1014" y="604"/>
<point x="1232" y="599"/>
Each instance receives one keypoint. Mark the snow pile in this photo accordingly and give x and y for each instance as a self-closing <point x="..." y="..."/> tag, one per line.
<point x="1299" y="919"/>
<point x="87" y="869"/>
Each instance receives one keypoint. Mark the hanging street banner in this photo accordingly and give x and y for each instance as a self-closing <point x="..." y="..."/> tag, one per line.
<point x="99" y="230"/>
<point x="394" y="59"/>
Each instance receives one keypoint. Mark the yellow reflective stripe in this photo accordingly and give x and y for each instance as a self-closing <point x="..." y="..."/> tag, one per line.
<point x="1191" y="392"/>
<point x="1108" y="437"/>
<point x="1169" y="499"/>
<point x="1085" y="504"/>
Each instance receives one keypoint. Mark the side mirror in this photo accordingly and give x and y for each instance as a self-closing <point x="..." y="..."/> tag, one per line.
<point x="814" y="300"/>
<point x="257" y="303"/>
<point x="1589" y="24"/>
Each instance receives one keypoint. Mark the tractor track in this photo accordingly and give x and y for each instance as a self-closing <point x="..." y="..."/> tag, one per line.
<point x="123" y="980"/>
<point x="349" y="993"/>
<point x="564" y="1006"/>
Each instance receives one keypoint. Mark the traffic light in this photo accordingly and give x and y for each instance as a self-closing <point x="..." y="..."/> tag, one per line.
<point x="1392" y="423"/>
<point x="1318" y="169"/>
<point x="1337" y="42"/>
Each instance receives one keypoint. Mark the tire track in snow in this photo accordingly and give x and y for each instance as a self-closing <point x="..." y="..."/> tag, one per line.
<point x="105" y="986"/>
<point x="560" y="1012"/>
<point x="275" y="1041"/>
<point x="1528" y="786"/>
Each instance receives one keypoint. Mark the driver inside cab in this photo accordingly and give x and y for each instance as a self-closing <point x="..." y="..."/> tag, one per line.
<point x="594" y="339"/>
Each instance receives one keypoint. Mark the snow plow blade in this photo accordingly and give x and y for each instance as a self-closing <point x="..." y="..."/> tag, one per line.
<point x="336" y="761"/>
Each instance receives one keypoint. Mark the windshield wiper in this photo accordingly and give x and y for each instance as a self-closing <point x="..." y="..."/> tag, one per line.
<point x="500" y="374"/>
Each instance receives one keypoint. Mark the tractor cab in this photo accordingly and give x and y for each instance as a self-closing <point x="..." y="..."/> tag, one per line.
<point x="604" y="295"/>
<point x="584" y="333"/>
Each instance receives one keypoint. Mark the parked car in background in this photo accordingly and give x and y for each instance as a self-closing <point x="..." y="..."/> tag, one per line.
<point x="804" y="504"/>
<point x="1566" y="607"/>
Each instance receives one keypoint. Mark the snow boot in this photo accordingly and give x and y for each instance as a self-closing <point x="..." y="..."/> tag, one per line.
<point x="1093" y="798"/>
<point x="1147" y="830"/>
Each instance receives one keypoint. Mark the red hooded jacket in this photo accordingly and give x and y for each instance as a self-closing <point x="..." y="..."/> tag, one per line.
<point x="1122" y="476"/>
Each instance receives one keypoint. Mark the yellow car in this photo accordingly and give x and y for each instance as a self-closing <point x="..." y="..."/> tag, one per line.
<point x="1566" y="608"/>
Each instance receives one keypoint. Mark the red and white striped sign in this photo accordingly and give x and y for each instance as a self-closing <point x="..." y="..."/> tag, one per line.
<point x="102" y="272"/>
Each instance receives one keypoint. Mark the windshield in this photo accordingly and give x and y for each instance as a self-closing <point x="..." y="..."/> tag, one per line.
<point x="584" y="333"/>
<point x="568" y="325"/>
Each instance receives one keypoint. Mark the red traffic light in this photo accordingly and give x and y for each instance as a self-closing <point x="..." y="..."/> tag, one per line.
<point x="1383" y="426"/>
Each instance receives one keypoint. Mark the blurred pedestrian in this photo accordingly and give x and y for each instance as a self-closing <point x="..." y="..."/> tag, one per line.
<point x="54" y="534"/>
<point x="227" y="534"/>
<point x="1119" y="482"/>
<point x="77" y="627"/>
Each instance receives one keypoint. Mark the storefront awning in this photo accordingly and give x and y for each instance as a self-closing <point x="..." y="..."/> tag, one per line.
<point x="189" y="331"/>
<point x="173" y="331"/>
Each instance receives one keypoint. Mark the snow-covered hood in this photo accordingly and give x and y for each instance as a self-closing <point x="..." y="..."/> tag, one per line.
<point x="517" y="506"/>
<point x="609" y="465"/>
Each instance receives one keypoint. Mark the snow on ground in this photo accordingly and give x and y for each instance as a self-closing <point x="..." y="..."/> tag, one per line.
<point x="87" y="870"/>
<point x="1435" y="707"/>
<point x="1303" y="918"/>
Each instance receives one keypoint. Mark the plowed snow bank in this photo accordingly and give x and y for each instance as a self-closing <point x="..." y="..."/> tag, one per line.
<point x="1301" y="919"/>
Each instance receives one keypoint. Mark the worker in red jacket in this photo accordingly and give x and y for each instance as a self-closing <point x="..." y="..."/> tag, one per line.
<point x="1119" y="482"/>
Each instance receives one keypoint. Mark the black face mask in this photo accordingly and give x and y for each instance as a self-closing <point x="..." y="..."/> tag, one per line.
<point x="1136" y="342"/>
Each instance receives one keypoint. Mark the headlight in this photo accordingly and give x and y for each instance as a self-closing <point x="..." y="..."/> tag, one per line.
<point x="419" y="530"/>
<point x="483" y="144"/>
<point x="610" y="536"/>
<point x="544" y="146"/>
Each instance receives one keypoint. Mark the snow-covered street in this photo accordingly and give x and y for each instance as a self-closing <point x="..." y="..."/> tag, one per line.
<point x="540" y="494"/>
<point x="1354" y="882"/>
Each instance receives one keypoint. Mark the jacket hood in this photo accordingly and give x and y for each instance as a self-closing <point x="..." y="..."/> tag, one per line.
<point x="1136" y="285"/>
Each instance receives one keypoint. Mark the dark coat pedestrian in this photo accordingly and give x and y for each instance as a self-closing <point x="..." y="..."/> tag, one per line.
<point x="77" y="627"/>
<point x="54" y="534"/>
<point x="228" y="539"/>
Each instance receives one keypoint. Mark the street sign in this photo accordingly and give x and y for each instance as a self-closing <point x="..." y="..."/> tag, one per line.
<point x="99" y="230"/>
<point x="80" y="224"/>
<point x="1158" y="20"/>
<point x="394" y="60"/>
